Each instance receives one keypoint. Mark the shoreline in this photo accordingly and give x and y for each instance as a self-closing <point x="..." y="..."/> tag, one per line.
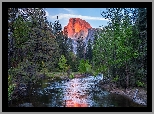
<point x="141" y="97"/>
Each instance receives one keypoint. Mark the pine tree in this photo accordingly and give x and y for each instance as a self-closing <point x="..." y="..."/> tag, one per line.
<point x="81" y="48"/>
<point x="89" y="51"/>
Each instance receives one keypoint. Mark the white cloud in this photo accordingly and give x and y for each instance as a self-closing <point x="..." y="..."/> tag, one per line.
<point x="64" y="18"/>
<point x="67" y="16"/>
<point x="69" y="10"/>
<point x="47" y="13"/>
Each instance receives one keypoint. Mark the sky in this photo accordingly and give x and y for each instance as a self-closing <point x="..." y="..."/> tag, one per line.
<point x="91" y="15"/>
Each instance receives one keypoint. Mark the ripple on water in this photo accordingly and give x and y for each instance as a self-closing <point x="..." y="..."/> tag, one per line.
<point x="79" y="90"/>
<point x="75" y="92"/>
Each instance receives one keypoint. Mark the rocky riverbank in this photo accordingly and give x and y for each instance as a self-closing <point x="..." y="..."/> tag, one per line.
<point x="139" y="98"/>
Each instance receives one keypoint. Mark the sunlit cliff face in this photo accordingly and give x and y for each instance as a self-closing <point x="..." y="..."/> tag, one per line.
<point x="77" y="28"/>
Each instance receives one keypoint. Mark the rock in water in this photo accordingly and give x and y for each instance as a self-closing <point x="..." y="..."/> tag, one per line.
<point x="137" y="99"/>
<point x="26" y="105"/>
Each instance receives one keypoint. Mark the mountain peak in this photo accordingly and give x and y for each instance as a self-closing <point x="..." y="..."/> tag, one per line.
<point x="77" y="28"/>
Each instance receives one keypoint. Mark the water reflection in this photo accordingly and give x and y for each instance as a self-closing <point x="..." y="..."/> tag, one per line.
<point x="71" y="103"/>
<point x="77" y="92"/>
<point x="74" y="95"/>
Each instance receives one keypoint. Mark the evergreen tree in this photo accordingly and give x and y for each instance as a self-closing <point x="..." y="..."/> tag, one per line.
<point x="116" y="51"/>
<point x="89" y="51"/>
<point x="80" y="48"/>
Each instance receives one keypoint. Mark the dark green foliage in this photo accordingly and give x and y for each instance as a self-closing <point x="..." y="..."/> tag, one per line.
<point x="84" y="66"/>
<point x="11" y="87"/>
<point x="30" y="42"/>
<point x="121" y="49"/>
<point x="62" y="63"/>
<point x="73" y="61"/>
<point x="71" y="75"/>
<point x="81" y="48"/>
<point x="89" y="51"/>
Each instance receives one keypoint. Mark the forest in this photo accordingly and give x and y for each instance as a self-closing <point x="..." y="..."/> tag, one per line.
<point x="38" y="48"/>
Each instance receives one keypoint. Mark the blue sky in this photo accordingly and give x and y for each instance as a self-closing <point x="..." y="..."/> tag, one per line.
<point x="91" y="15"/>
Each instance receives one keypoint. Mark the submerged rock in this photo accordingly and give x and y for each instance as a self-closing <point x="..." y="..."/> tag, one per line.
<point x="26" y="105"/>
<point x="138" y="98"/>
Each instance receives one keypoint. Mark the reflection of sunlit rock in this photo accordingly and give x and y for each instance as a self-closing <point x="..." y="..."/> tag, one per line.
<point x="71" y="103"/>
<point x="77" y="91"/>
<point x="75" y="97"/>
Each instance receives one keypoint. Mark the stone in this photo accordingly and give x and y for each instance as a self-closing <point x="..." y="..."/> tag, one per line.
<point x="26" y="105"/>
<point x="77" y="28"/>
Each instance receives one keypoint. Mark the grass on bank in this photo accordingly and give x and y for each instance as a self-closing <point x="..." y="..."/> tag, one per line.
<point x="60" y="74"/>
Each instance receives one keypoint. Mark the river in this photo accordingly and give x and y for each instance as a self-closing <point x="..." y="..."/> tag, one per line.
<point x="77" y="92"/>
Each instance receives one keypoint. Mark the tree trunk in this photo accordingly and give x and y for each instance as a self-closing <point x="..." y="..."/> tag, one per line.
<point x="127" y="77"/>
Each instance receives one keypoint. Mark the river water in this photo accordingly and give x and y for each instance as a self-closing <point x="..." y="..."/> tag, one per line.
<point x="77" y="92"/>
